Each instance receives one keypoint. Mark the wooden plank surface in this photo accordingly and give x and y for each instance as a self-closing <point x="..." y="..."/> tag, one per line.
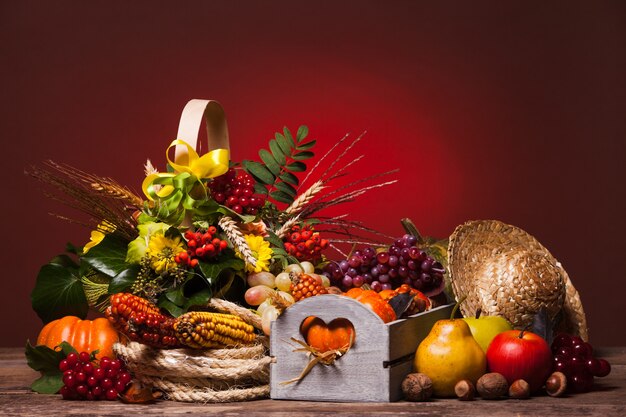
<point x="608" y="399"/>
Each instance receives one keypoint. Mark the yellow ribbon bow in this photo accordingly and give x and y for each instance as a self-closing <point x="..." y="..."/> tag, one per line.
<point x="191" y="169"/>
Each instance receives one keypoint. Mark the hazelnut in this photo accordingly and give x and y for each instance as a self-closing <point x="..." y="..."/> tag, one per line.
<point x="492" y="386"/>
<point x="519" y="390"/>
<point x="417" y="387"/>
<point x="556" y="385"/>
<point x="464" y="389"/>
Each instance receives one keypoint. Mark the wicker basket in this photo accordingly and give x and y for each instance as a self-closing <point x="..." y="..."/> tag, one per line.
<point x="504" y="271"/>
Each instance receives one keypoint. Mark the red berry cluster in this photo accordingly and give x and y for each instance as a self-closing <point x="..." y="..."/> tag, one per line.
<point x="85" y="380"/>
<point x="304" y="243"/>
<point x="201" y="245"/>
<point x="236" y="191"/>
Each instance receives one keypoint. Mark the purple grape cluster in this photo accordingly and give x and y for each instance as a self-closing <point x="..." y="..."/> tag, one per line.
<point x="402" y="263"/>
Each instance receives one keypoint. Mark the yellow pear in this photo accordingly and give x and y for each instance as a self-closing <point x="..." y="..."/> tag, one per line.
<point x="449" y="354"/>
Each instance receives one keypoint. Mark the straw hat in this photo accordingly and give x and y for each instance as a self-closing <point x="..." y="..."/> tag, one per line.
<point x="505" y="271"/>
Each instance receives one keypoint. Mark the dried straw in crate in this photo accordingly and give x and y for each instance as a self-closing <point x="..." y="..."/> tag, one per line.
<point x="504" y="271"/>
<point x="210" y="375"/>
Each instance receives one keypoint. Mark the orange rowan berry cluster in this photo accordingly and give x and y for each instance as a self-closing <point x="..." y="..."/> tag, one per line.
<point x="304" y="243"/>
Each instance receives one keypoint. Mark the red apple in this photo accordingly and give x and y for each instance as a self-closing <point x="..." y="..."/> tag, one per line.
<point x="520" y="355"/>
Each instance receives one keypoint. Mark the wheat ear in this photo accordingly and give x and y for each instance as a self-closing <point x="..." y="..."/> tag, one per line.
<point x="229" y="227"/>
<point x="287" y="226"/>
<point x="304" y="198"/>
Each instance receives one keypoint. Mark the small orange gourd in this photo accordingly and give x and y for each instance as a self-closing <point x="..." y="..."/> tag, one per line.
<point x="374" y="301"/>
<point x="83" y="335"/>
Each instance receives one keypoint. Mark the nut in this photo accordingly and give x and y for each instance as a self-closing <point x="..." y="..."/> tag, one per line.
<point x="417" y="387"/>
<point x="556" y="385"/>
<point x="519" y="390"/>
<point x="464" y="389"/>
<point x="492" y="386"/>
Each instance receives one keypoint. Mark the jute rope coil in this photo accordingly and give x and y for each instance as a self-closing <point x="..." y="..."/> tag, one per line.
<point x="212" y="375"/>
<point x="504" y="271"/>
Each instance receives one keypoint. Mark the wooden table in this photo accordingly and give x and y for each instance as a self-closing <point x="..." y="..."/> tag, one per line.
<point x="608" y="399"/>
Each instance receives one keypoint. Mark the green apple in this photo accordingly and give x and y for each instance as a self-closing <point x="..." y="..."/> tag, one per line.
<point x="485" y="328"/>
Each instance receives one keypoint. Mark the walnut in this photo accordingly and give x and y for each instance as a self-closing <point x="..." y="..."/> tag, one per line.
<point x="417" y="387"/>
<point x="492" y="386"/>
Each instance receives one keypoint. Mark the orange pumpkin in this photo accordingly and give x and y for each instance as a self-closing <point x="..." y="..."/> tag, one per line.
<point x="374" y="301"/>
<point x="337" y="335"/>
<point x="83" y="335"/>
<point x="419" y="303"/>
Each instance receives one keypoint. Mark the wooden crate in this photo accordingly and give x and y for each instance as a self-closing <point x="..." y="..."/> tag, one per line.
<point x="372" y="370"/>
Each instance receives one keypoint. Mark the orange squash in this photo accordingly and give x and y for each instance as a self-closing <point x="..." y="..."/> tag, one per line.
<point x="374" y="301"/>
<point x="83" y="335"/>
<point x="337" y="335"/>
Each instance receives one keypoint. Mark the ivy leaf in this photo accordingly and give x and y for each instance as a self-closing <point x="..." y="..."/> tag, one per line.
<point x="284" y="144"/>
<point x="170" y="307"/>
<point x="282" y="197"/>
<point x="303" y="131"/>
<point x="58" y="292"/>
<point x="286" y="188"/>
<point x="307" y="145"/>
<point x="288" y="177"/>
<point x="45" y="360"/>
<point x="300" y="156"/>
<point x="296" y="167"/>
<point x="124" y="279"/>
<point x="212" y="270"/>
<point x="109" y="256"/>
<point x="288" y="136"/>
<point x="269" y="161"/>
<point x="258" y="171"/>
<point x="278" y="153"/>
<point x="64" y="261"/>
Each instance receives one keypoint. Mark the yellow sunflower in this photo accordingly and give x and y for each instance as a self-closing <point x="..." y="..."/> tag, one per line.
<point x="162" y="251"/>
<point x="261" y="252"/>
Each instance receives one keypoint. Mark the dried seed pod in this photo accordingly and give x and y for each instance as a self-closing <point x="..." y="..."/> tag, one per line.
<point x="465" y="390"/>
<point x="492" y="386"/>
<point x="417" y="387"/>
<point x="519" y="390"/>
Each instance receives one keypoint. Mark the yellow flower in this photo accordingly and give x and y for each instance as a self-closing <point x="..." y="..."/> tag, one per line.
<point x="162" y="251"/>
<point x="103" y="229"/>
<point x="261" y="252"/>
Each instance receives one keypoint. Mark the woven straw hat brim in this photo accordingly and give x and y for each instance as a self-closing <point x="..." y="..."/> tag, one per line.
<point x="505" y="271"/>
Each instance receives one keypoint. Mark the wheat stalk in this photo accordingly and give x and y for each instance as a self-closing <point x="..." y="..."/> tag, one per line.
<point x="237" y="238"/>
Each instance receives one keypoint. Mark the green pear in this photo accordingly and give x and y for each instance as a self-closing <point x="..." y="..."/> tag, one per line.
<point x="485" y="328"/>
<point x="449" y="354"/>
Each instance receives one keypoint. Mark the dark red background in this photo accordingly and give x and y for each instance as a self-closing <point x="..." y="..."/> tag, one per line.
<point x="492" y="110"/>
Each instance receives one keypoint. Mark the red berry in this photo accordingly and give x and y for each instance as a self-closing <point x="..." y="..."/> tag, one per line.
<point x="84" y="357"/>
<point x="64" y="365"/>
<point x="193" y="263"/>
<point x="97" y="391"/>
<point x="67" y="393"/>
<point x="111" y="394"/>
<point x="72" y="359"/>
<point x="88" y="368"/>
<point x="69" y="380"/>
<point x="223" y="244"/>
<point x="82" y="390"/>
<point x="105" y="362"/>
<point x="92" y="381"/>
<point x="124" y="377"/>
<point x="120" y="386"/>
<point x="106" y="383"/>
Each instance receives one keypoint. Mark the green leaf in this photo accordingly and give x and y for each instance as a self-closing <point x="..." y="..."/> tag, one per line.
<point x="289" y="178"/>
<point x="282" y="197"/>
<point x="64" y="261"/>
<point x="301" y="156"/>
<point x="286" y="188"/>
<point x="284" y="144"/>
<point x="58" y="292"/>
<point x="303" y="131"/>
<point x="201" y="298"/>
<point x="296" y="167"/>
<point x="171" y="308"/>
<point x="278" y="153"/>
<point x="288" y="136"/>
<point x="260" y="188"/>
<point x="176" y="296"/>
<point x="45" y="360"/>
<point x="273" y="239"/>
<point x="258" y="171"/>
<point x="307" y="145"/>
<point x="212" y="270"/>
<point x="278" y="252"/>
<point x="269" y="161"/>
<point x="124" y="279"/>
<point x="109" y="256"/>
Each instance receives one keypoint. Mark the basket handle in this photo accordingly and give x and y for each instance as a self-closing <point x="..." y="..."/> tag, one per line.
<point x="194" y="112"/>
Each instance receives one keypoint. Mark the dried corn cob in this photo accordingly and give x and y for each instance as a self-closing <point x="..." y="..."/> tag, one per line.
<point x="200" y="329"/>
<point x="141" y="321"/>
